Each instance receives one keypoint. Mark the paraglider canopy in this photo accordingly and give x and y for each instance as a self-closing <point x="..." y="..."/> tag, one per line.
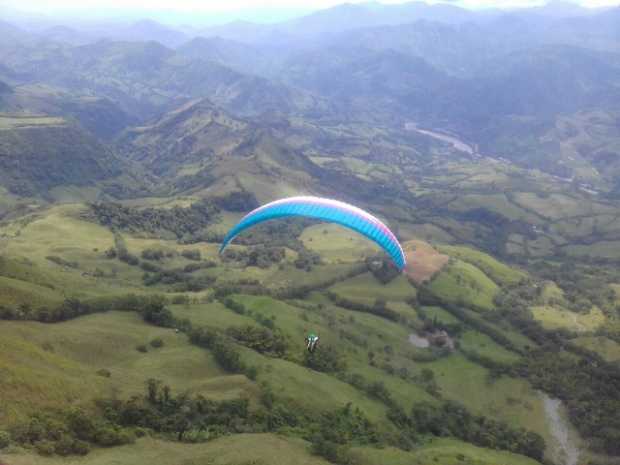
<point x="329" y="210"/>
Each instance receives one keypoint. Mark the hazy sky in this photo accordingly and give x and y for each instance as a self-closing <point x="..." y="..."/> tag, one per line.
<point x="260" y="10"/>
<point x="228" y="5"/>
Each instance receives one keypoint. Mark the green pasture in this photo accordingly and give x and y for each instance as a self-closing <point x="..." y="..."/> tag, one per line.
<point x="463" y="283"/>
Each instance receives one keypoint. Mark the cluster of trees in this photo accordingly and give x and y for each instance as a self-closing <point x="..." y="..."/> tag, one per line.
<point x="237" y="201"/>
<point x="452" y="419"/>
<point x="375" y="389"/>
<point x="335" y="431"/>
<point x="582" y="379"/>
<point x="192" y="254"/>
<point x="239" y="308"/>
<point x="382" y="268"/>
<point x="583" y="284"/>
<point x="121" y="252"/>
<point x="379" y="308"/>
<point x="282" y="234"/>
<point x="152" y="308"/>
<point x="327" y="360"/>
<point x="71" y="432"/>
<point x="260" y="256"/>
<point x="588" y="387"/>
<point x="176" y="221"/>
<point x="226" y="354"/>
<point x="306" y="259"/>
<point x="432" y="324"/>
<point x="182" y="417"/>
<point x="180" y="279"/>
<point x="156" y="255"/>
<point x="263" y="340"/>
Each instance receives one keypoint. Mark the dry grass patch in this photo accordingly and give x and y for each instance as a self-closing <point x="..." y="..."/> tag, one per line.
<point x="423" y="261"/>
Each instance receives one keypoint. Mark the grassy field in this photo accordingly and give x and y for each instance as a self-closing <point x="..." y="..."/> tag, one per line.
<point x="500" y="273"/>
<point x="240" y="449"/>
<point x="15" y="292"/>
<point x="462" y="282"/>
<point x="366" y="288"/>
<point x="605" y="249"/>
<point x="442" y="316"/>
<point x="336" y="244"/>
<point x="508" y="399"/>
<point x="481" y="343"/>
<point x="56" y="365"/>
<point x="440" y="451"/>
<point x="605" y="347"/>
<point x="554" y="317"/>
<point x="497" y="203"/>
<point x="290" y="379"/>
<point x="557" y="206"/>
<point x="59" y="232"/>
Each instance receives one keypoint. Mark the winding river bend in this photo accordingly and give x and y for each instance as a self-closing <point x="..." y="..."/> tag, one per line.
<point x="565" y="451"/>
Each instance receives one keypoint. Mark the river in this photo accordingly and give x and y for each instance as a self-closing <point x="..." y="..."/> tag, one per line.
<point x="458" y="144"/>
<point x="564" y="451"/>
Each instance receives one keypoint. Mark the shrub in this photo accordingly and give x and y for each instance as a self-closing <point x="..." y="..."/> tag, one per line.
<point x="5" y="439"/>
<point x="157" y="342"/>
<point x="325" y="359"/>
<point x="45" y="447"/>
<point x="80" y="447"/>
<point x="153" y="254"/>
<point x="64" y="446"/>
<point x="141" y="348"/>
<point x="104" y="372"/>
<point x="192" y="254"/>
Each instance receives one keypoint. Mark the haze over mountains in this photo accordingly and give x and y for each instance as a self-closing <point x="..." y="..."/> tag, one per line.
<point x="489" y="76"/>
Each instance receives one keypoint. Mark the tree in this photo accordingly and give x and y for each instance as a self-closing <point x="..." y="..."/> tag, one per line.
<point x="5" y="439"/>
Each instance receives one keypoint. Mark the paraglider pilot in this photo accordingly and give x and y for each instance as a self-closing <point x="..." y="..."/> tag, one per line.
<point x="312" y="341"/>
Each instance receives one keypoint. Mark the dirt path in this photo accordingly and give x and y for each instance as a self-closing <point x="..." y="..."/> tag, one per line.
<point x="564" y="451"/>
<point x="418" y="341"/>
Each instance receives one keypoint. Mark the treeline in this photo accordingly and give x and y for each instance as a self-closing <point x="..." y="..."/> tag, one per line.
<point x="240" y="309"/>
<point x="452" y="419"/>
<point x="68" y="432"/>
<point x="182" y="417"/>
<point x="182" y="223"/>
<point x="73" y="308"/>
<point x="379" y="308"/>
<point x="262" y="340"/>
<point x="227" y="356"/>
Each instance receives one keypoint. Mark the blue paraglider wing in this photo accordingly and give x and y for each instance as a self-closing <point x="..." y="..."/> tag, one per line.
<point x="328" y="210"/>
